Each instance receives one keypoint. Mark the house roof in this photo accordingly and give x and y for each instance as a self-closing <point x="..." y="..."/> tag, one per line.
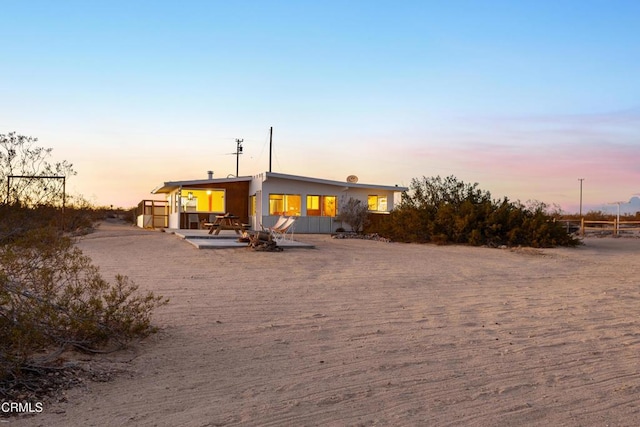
<point x="267" y="175"/>
<point x="170" y="186"/>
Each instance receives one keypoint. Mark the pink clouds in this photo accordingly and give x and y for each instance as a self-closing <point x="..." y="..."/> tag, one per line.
<point x="541" y="158"/>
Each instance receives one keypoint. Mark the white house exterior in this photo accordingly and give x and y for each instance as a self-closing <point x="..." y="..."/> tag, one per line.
<point x="314" y="201"/>
<point x="261" y="199"/>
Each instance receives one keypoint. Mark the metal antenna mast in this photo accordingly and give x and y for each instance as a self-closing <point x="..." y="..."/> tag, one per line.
<point x="270" y="145"/>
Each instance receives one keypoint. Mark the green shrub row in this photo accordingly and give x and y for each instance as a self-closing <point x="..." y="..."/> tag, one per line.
<point x="446" y="210"/>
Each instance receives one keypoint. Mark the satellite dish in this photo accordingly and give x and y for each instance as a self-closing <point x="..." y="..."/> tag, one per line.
<point x="352" y="179"/>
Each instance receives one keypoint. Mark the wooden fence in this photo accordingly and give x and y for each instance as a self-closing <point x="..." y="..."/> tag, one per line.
<point x="615" y="227"/>
<point x="152" y="214"/>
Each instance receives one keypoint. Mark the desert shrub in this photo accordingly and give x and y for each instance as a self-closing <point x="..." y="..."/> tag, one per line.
<point x="17" y="219"/>
<point x="354" y="213"/>
<point x="599" y="215"/>
<point x="446" y="210"/>
<point x="52" y="298"/>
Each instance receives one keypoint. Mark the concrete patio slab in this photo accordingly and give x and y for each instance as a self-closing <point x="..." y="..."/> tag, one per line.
<point x="201" y="239"/>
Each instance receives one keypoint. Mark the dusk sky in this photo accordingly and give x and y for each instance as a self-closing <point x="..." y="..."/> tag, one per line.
<point x="522" y="97"/>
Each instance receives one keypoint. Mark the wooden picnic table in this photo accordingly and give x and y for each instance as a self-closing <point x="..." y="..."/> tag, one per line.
<point x="225" y="222"/>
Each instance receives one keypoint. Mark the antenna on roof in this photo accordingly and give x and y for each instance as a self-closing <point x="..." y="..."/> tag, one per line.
<point x="270" y="145"/>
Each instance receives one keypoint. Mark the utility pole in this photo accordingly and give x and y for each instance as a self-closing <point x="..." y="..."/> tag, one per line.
<point x="238" y="152"/>
<point x="580" y="179"/>
<point x="617" y="225"/>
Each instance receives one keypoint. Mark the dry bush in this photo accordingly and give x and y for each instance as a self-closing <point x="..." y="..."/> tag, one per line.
<point x="52" y="298"/>
<point x="354" y="213"/>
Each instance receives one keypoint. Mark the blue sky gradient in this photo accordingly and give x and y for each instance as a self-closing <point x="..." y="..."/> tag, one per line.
<point x="522" y="97"/>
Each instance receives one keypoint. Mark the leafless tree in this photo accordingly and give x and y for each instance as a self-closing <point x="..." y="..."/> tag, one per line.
<point x="26" y="172"/>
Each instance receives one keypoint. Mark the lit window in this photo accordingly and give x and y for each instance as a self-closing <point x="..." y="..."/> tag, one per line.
<point x="203" y="200"/>
<point x="377" y="203"/>
<point x="313" y="206"/>
<point x="373" y="203"/>
<point x="293" y="204"/>
<point x="252" y="205"/>
<point x="321" y="205"/>
<point x="276" y="204"/>
<point x="329" y="206"/>
<point x="285" y="204"/>
<point x="382" y="203"/>
<point x="313" y="203"/>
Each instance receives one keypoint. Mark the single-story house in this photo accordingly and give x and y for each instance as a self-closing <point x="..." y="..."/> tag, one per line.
<point x="261" y="199"/>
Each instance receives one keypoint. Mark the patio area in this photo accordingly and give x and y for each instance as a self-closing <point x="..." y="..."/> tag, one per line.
<point x="227" y="239"/>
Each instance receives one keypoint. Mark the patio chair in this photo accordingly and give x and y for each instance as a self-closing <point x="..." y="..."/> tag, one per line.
<point x="193" y="219"/>
<point x="285" y="230"/>
<point x="277" y="225"/>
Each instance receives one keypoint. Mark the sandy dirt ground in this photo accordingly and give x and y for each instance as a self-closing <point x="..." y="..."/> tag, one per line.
<point x="365" y="333"/>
